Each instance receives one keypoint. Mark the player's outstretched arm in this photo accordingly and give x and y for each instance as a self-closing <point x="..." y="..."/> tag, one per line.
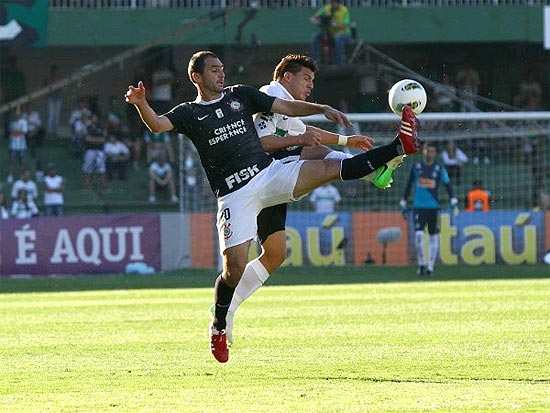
<point x="302" y="108"/>
<point x="273" y="143"/>
<point x="154" y="122"/>
<point x="364" y="143"/>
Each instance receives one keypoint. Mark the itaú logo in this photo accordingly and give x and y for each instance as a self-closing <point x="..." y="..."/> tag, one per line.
<point x="241" y="176"/>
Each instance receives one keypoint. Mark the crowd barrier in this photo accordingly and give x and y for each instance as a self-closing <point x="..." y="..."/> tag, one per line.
<point x="168" y="241"/>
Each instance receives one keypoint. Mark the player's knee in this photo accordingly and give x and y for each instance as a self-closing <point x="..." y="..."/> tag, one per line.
<point x="232" y="273"/>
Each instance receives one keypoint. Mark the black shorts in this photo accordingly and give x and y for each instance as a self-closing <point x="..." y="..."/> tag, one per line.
<point x="429" y="217"/>
<point x="271" y="220"/>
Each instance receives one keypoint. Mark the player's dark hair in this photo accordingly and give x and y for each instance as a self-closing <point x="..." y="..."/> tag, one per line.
<point x="293" y="63"/>
<point x="196" y="63"/>
<point x="429" y="144"/>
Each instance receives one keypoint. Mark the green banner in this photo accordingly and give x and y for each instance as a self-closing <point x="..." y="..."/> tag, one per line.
<point x="23" y="23"/>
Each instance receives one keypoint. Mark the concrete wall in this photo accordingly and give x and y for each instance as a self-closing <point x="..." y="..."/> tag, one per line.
<point x="291" y="26"/>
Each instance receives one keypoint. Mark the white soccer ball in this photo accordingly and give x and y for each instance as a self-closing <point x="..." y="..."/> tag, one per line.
<point x="407" y="92"/>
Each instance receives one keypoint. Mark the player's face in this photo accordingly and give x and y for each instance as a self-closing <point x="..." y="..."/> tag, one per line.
<point x="213" y="78"/>
<point x="300" y="85"/>
<point x="429" y="154"/>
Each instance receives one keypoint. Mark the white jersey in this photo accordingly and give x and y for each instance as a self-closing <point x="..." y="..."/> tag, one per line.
<point x="325" y="198"/>
<point x="51" y="197"/>
<point x="23" y="210"/>
<point x="18" y="131"/>
<point x="269" y="123"/>
<point x="29" y="186"/>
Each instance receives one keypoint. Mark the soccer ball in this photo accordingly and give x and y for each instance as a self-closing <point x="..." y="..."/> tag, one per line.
<point x="407" y="92"/>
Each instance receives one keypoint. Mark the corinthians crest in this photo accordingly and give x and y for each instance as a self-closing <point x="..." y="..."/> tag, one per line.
<point x="235" y="105"/>
<point x="227" y="231"/>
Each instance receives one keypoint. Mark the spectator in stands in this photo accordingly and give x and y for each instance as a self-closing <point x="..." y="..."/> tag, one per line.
<point x="54" y="186"/>
<point x="481" y="148"/>
<point x="157" y="144"/>
<point x="477" y="199"/>
<point x="25" y="182"/>
<point x="82" y="108"/>
<point x="4" y="208"/>
<point x="453" y="159"/>
<point x="94" y="154"/>
<point x="36" y="130"/>
<point x="443" y="94"/>
<point x="117" y="155"/>
<point x="163" y="82"/>
<point x="12" y="84"/>
<point x="161" y="176"/>
<point x="19" y="127"/>
<point x="54" y="102"/>
<point x="325" y="199"/>
<point x="79" y="132"/>
<point x="333" y="20"/>
<point x="115" y="115"/>
<point x="529" y="92"/>
<point x="467" y="84"/>
<point x="23" y="207"/>
<point x="79" y="121"/>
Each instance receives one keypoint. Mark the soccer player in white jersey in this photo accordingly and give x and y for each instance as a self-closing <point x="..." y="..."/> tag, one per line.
<point x="242" y="176"/>
<point x="289" y="139"/>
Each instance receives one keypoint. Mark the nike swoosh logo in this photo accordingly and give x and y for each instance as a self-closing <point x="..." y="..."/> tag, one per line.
<point x="202" y="117"/>
<point x="385" y="168"/>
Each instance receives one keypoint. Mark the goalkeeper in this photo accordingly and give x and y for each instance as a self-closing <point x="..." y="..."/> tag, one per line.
<point x="426" y="177"/>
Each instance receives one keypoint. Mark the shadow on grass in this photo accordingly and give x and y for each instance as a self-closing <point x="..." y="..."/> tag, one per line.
<point x="204" y="278"/>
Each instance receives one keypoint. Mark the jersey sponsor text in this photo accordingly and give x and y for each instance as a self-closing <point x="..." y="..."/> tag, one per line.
<point x="228" y="131"/>
<point x="241" y="176"/>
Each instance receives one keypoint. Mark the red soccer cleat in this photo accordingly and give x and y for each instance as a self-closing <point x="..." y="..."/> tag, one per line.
<point x="408" y="132"/>
<point x="218" y="344"/>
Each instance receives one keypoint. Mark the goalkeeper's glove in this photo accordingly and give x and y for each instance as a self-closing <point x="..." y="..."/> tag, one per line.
<point x="454" y="206"/>
<point x="403" y="208"/>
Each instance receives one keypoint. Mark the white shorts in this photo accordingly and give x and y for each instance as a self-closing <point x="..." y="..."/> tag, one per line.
<point x="237" y="211"/>
<point x="94" y="161"/>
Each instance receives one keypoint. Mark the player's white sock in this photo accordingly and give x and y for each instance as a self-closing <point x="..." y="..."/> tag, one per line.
<point x="254" y="276"/>
<point x="338" y="155"/>
<point x="434" y="250"/>
<point x="419" y="244"/>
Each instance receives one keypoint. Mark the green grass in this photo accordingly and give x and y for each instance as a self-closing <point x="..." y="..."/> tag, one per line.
<point x="321" y="340"/>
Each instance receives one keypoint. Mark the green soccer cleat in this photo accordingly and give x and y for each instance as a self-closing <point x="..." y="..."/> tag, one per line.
<point x="382" y="177"/>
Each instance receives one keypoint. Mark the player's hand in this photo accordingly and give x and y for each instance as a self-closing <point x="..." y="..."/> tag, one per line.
<point x="360" y="142"/>
<point x="135" y="94"/>
<point x="403" y="208"/>
<point x="309" y="138"/>
<point x="336" y="116"/>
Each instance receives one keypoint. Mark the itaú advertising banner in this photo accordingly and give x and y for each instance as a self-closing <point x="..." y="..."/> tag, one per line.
<point x="79" y="244"/>
<point x="506" y="237"/>
<point x="318" y="239"/>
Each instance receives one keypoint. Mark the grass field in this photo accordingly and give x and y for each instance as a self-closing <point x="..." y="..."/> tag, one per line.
<point x="314" y="340"/>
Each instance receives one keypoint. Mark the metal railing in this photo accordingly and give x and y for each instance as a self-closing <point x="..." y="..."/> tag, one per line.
<point x="274" y="4"/>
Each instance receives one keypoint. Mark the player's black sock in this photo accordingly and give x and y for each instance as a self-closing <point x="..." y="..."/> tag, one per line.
<point x="222" y="298"/>
<point x="363" y="164"/>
